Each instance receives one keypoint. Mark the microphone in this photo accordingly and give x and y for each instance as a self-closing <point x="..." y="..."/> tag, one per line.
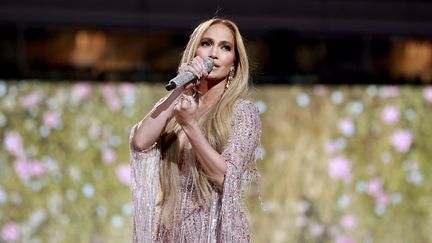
<point x="186" y="77"/>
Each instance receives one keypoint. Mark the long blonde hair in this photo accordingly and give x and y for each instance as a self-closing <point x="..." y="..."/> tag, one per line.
<point x="215" y="123"/>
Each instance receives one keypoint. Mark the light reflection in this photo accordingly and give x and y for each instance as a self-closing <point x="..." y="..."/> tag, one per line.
<point x="89" y="48"/>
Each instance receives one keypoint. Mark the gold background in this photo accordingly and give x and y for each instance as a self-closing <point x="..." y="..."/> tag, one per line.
<point x="309" y="132"/>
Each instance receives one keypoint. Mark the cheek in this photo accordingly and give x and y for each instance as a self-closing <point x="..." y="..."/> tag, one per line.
<point x="229" y="60"/>
<point x="199" y="52"/>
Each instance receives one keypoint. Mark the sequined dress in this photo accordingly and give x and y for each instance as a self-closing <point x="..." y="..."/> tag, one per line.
<point x="225" y="219"/>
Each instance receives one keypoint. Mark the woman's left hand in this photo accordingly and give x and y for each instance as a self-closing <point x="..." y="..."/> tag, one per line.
<point x="185" y="112"/>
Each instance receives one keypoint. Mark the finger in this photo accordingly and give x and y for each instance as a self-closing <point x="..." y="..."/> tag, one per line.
<point x="177" y="105"/>
<point x="184" y="102"/>
<point x="196" y="82"/>
<point x="182" y="68"/>
<point x="195" y="70"/>
<point x="198" y="63"/>
<point x="188" y="98"/>
<point x="189" y="67"/>
<point x="191" y="102"/>
<point x="205" y="73"/>
<point x="186" y="105"/>
<point x="189" y="85"/>
<point x="177" y="101"/>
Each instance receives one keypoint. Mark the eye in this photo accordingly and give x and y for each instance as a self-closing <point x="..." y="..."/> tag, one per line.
<point x="226" y="47"/>
<point x="205" y="43"/>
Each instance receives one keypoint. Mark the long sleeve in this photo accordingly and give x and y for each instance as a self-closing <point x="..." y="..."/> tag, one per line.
<point x="239" y="153"/>
<point x="145" y="167"/>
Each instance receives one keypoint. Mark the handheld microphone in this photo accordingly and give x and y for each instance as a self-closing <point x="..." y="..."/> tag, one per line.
<point x="186" y="77"/>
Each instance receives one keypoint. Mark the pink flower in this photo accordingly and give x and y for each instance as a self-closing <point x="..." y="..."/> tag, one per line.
<point x="382" y="199"/>
<point x="10" y="232"/>
<point x="123" y="173"/>
<point x="346" y="126"/>
<point x="340" y="169"/>
<point x="108" y="156"/>
<point x="127" y="89"/>
<point x="2" y="195"/>
<point x="348" y="222"/>
<point x="114" y="103"/>
<point x="108" y="90"/>
<point x="28" y="169"/>
<point x="110" y="97"/>
<point x="81" y="91"/>
<point x="390" y="115"/>
<point x="401" y="140"/>
<point x="30" y="100"/>
<point x="374" y="187"/>
<point x="51" y="119"/>
<point x="343" y="239"/>
<point x="393" y="90"/>
<point x="22" y="169"/>
<point x="330" y="147"/>
<point x="427" y="93"/>
<point x="303" y="206"/>
<point x="317" y="230"/>
<point x="13" y="143"/>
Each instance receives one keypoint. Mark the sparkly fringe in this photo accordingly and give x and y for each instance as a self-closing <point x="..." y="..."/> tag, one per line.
<point x="225" y="219"/>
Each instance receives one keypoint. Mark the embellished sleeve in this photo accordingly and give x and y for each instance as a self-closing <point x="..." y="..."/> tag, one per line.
<point x="239" y="153"/>
<point x="144" y="186"/>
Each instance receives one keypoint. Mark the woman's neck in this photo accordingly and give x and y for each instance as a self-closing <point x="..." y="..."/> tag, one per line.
<point x="211" y="92"/>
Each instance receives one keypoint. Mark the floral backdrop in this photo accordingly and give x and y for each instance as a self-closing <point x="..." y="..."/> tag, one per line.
<point x="339" y="163"/>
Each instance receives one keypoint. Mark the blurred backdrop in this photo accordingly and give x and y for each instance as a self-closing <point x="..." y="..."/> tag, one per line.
<point x="331" y="41"/>
<point x="343" y="88"/>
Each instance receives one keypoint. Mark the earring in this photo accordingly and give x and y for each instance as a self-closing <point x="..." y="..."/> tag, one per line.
<point x="230" y="77"/>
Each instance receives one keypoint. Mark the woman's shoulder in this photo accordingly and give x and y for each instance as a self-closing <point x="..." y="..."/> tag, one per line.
<point x="245" y="109"/>
<point x="246" y="118"/>
<point x="245" y="105"/>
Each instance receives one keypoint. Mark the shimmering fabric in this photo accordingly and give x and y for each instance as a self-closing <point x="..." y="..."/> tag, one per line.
<point x="225" y="219"/>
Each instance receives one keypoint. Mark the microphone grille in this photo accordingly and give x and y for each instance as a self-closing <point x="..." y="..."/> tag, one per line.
<point x="208" y="64"/>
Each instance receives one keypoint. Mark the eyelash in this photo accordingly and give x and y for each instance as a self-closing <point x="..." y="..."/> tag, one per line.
<point x="225" y="47"/>
<point x="205" y="43"/>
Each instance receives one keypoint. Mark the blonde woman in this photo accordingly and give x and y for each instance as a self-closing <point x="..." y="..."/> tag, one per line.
<point x="194" y="152"/>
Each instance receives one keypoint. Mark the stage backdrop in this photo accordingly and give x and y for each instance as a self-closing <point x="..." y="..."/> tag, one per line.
<point x="339" y="164"/>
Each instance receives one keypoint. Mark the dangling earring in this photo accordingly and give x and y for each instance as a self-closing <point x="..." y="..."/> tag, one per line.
<point x="230" y="77"/>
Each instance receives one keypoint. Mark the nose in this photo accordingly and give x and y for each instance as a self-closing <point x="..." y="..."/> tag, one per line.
<point x="214" y="52"/>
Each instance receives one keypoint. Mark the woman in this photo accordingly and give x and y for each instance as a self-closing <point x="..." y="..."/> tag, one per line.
<point x="194" y="153"/>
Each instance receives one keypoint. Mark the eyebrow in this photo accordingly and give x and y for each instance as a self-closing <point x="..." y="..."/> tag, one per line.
<point x="222" y="42"/>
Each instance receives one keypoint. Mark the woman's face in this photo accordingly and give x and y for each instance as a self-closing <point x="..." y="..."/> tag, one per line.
<point x="218" y="42"/>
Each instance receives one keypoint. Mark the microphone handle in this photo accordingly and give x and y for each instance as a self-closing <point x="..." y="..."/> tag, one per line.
<point x="170" y="86"/>
<point x="180" y="80"/>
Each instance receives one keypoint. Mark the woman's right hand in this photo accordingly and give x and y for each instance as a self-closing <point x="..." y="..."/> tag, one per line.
<point x="196" y="66"/>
